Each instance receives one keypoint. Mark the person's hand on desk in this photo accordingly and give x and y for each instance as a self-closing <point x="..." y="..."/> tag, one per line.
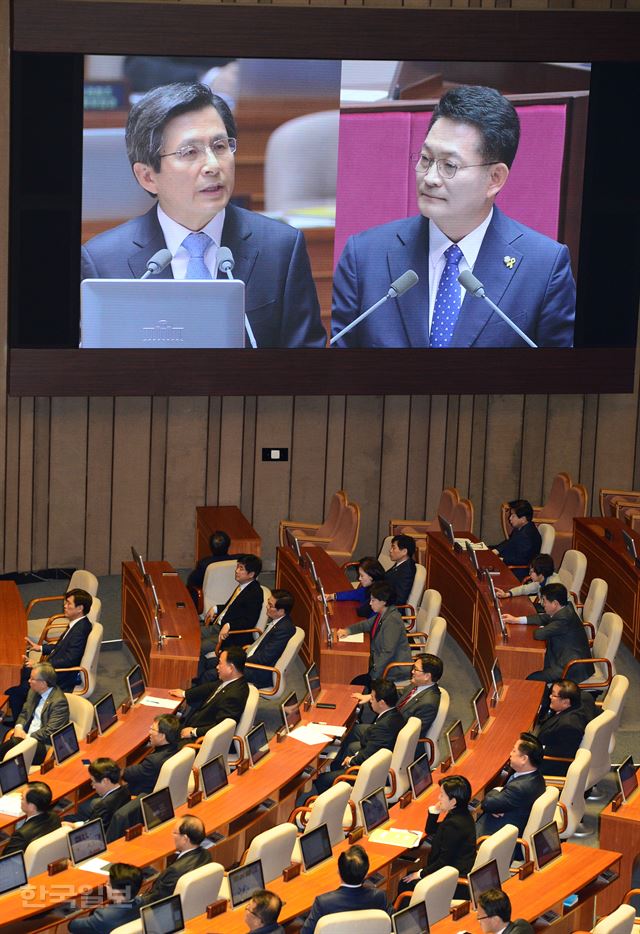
<point x="224" y="632"/>
<point x="342" y="633"/>
<point x="362" y="698"/>
<point x="508" y="618"/>
<point x="19" y="733"/>
<point x="210" y="615"/>
<point x="176" y="692"/>
<point x="503" y="594"/>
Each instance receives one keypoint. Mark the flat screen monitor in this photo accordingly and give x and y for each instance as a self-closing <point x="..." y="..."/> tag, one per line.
<point x="315" y="846"/>
<point x="244" y="881"/>
<point x="472" y="556"/>
<point x="137" y="557"/>
<point x="257" y="743"/>
<point x="290" y="710"/>
<point x="106" y="714"/>
<point x="312" y="678"/>
<point x="13" y="774"/>
<point x="496" y="603"/>
<point x="214" y="776"/>
<point x="420" y="775"/>
<point x="322" y="594"/>
<point x="154" y="597"/>
<point x="12" y="872"/>
<point x="456" y="741"/>
<point x="626" y="777"/>
<point x="546" y="845"/>
<point x="375" y="810"/>
<point x="447" y="530"/>
<point x="411" y="920"/>
<point x="135" y="683"/>
<point x="65" y="743"/>
<point x="157" y="808"/>
<point x="294" y="544"/>
<point x="629" y="544"/>
<point x="163" y="917"/>
<point x="312" y="569"/>
<point x="496" y="677"/>
<point x="87" y="841"/>
<point x="481" y="709"/>
<point x="482" y="879"/>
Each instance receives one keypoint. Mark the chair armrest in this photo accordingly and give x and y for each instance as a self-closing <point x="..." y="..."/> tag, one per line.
<point x="630" y="894"/>
<point x="351" y="779"/>
<point x="36" y="600"/>
<point x="408" y="615"/>
<point x="354" y="816"/>
<point x="267" y="692"/>
<point x="556" y="781"/>
<point x="394" y="784"/>
<point x="241" y="754"/>
<point x="558" y="759"/>
<point x="525" y="847"/>
<point x="592" y="630"/>
<point x="197" y="593"/>
<point x="391" y="665"/>
<point x="591" y="661"/>
<point x="430" y="747"/>
<point x="420" y="637"/>
<point x="313" y="540"/>
<point x="400" y="900"/>
<point x="85" y="676"/>
<point x="300" y="813"/>
<point x="292" y="524"/>
<point x="243" y="631"/>
<point x="565" y="816"/>
<point x="52" y="624"/>
<point x="350" y="564"/>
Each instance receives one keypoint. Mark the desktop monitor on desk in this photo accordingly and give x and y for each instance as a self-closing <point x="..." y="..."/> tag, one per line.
<point x="630" y="545"/>
<point x="105" y="711"/>
<point x="135" y="683"/>
<point x="496" y="677"/>
<point x="13" y="774"/>
<point x="157" y="808"/>
<point x="627" y="778"/>
<point x="290" y="710"/>
<point x="420" y="776"/>
<point x="65" y="743"/>
<point x="139" y="560"/>
<point x="257" y="743"/>
<point x="87" y="841"/>
<point x="482" y="879"/>
<point x="447" y="530"/>
<point x="375" y="810"/>
<point x="163" y="917"/>
<point x="411" y="920"/>
<point x="481" y="709"/>
<point x="315" y="846"/>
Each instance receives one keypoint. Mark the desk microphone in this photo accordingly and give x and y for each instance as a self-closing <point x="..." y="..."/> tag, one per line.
<point x="401" y="285"/>
<point x="157" y="263"/>
<point x="469" y="282"/>
<point x="226" y="263"/>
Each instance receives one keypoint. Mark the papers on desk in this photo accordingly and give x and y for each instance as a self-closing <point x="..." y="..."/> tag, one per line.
<point x="95" y="864"/>
<point x="335" y="731"/>
<point x="11" y="804"/>
<point x="356" y="637"/>
<point x="167" y="702"/>
<point x="393" y="836"/>
<point x="477" y="546"/>
<point x="312" y="734"/>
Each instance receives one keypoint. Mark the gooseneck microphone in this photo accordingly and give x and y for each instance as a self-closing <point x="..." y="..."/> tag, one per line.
<point x="157" y="263"/>
<point x="469" y="282"/>
<point x="398" y="287"/>
<point x="225" y="263"/>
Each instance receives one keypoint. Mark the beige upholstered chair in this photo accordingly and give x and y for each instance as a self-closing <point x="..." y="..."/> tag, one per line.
<point x="499" y="846"/>
<point x="81" y="714"/>
<point x="310" y="530"/>
<point x="175" y="773"/>
<point x="614" y="700"/>
<point x="219" y="583"/>
<point x="542" y="812"/>
<point x="435" y="730"/>
<point x="571" y="804"/>
<point x="273" y="848"/>
<point x="328" y="808"/>
<point x="26" y="748"/>
<point x="215" y="742"/>
<point x="365" y="778"/>
<point x="281" y="668"/>
<point x="619" y="921"/>
<point x="572" y="571"/>
<point x="245" y="724"/>
<point x="604" y="650"/>
<point x="594" y="603"/>
<point x="404" y="753"/>
<point x="81" y="580"/>
<point x="199" y="888"/>
<point x="429" y="608"/>
<point x="45" y="850"/>
<point x="548" y="536"/>
<point x="88" y="667"/>
<point x="611" y="501"/>
<point x="370" y="920"/>
<point x="309" y="142"/>
<point x="436" y="891"/>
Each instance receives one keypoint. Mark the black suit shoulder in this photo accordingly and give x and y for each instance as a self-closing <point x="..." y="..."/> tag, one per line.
<point x="230" y="701"/>
<point x="106" y="807"/>
<point x="165" y="883"/>
<point x="454" y="842"/>
<point x="31" y="830"/>
<point x="142" y="776"/>
<point x="402" y="577"/>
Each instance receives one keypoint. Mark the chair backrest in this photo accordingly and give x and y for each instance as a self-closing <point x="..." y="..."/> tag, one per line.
<point x="427" y="611"/>
<point x="614" y="700"/>
<point x="286" y="660"/>
<point x="575" y="505"/>
<point x="45" y="850"/>
<point x="216" y="742"/>
<point x="462" y="516"/>
<point x="553" y="506"/>
<point x="345" y="536"/>
<point x="548" y="536"/>
<point x="84" y="580"/>
<point x="373" y="774"/>
<point x="219" y="583"/>
<point x="307" y="140"/>
<point x="26" y="748"/>
<point x="572" y="570"/>
<point x="543" y="812"/>
<point x="572" y="794"/>
<point x="329" y="808"/>
<point x="383" y="557"/>
<point x="274" y="848"/>
<point x="417" y="588"/>
<point x="91" y="658"/>
<point x="436" y="891"/>
<point x="132" y="927"/>
<point x="436" y="727"/>
<point x="404" y="753"/>
<point x="262" y="619"/>
<point x="499" y="846"/>
<point x="199" y="888"/>
<point x="619" y="921"/>
<point x="607" y="640"/>
<point x="81" y="712"/>
<point x="436" y="637"/>
<point x="595" y="601"/>
<point x="372" y="920"/>
<point x="449" y="499"/>
<point x="174" y="775"/>
<point x="247" y="719"/>
<point x="597" y="739"/>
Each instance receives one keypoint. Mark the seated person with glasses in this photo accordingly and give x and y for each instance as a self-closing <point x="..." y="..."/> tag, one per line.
<point x="494" y="914"/>
<point x="181" y="142"/>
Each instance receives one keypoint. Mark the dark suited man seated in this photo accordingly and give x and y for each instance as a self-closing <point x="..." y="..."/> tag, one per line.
<point x="123" y="886"/>
<point x="524" y="542"/>
<point x="562" y="730"/>
<point x="208" y="704"/>
<point x="110" y="794"/>
<point x="261" y="913"/>
<point x="365" y="739"/>
<point x="512" y="803"/>
<point x="46" y="709"/>
<point x="402" y="574"/>
<point x="219" y="543"/>
<point x="494" y="914"/>
<point x="354" y="893"/>
<point x="181" y="140"/>
<point x="541" y="572"/>
<point x="38" y="821"/>
<point x="67" y="652"/>
<point x="164" y="734"/>
<point x="268" y="647"/>
<point x="188" y="834"/>
<point x="422" y="698"/>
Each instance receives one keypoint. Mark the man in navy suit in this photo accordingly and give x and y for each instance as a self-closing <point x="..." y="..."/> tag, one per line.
<point x="181" y="140"/>
<point x="465" y="161"/>
<point x="123" y="886"/>
<point x="268" y="647"/>
<point x="353" y="894"/>
<point x="494" y="914"/>
<point x="512" y="803"/>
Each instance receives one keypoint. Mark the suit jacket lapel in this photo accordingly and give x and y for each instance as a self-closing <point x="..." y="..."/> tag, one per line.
<point x="147" y="239"/>
<point x="411" y="309"/>
<point x="238" y="237"/>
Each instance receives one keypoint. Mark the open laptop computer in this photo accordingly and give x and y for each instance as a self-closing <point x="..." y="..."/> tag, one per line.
<point x="626" y="776"/>
<point x="375" y="810"/>
<point x="315" y="846"/>
<point x="163" y="917"/>
<point x="546" y="845"/>
<point x="244" y="881"/>
<point x="13" y="874"/>
<point x="481" y="709"/>
<point x="257" y="743"/>
<point x="135" y="683"/>
<point x="213" y="776"/>
<point x="290" y="710"/>
<point x="157" y="808"/>
<point x="420" y="777"/>
<point x="456" y="741"/>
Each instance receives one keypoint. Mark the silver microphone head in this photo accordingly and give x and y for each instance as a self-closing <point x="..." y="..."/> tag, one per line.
<point x="469" y="282"/>
<point x="159" y="261"/>
<point x="225" y="259"/>
<point x="404" y="282"/>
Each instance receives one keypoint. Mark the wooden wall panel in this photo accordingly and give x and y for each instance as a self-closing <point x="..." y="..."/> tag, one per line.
<point x="187" y="419"/>
<point x="248" y="491"/>
<point x="335" y="446"/>
<point x="502" y="461"/>
<point x="394" y="462"/>
<point x="130" y="483"/>
<point x="40" y="511"/>
<point x="68" y="481"/>
<point x="434" y="464"/>
<point x="12" y="468"/>
<point x="25" y="483"/>
<point x="157" y="480"/>
<point x="308" y="458"/>
<point x="230" y="456"/>
<point x="418" y="448"/>
<point x="99" y="479"/>
<point x="534" y="440"/>
<point x="361" y="467"/>
<point x="271" y="478"/>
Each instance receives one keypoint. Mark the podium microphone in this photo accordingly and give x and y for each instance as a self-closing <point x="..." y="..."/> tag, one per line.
<point x="469" y="282"/>
<point x="401" y="285"/>
<point x="157" y="263"/>
<point x="226" y="263"/>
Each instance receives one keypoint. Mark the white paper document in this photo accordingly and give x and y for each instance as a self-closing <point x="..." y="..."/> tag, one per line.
<point x="11" y="804"/>
<point x="95" y="865"/>
<point x="356" y="637"/>
<point x="310" y="735"/>
<point x="167" y="702"/>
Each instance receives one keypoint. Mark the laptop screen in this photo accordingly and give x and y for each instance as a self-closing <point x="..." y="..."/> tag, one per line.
<point x="629" y="544"/>
<point x="625" y="774"/>
<point x="456" y="741"/>
<point x="65" y="743"/>
<point x="106" y="714"/>
<point x="135" y="683"/>
<point x="420" y="775"/>
<point x="482" y="879"/>
<point x="163" y="917"/>
<point x="412" y="920"/>
<point x="374" y="810"/>
<point x="481" y="709"/>
<point x="214" y="776"/>
<point x="290" y="709"/>
<point x="257" y="743"/>
<point x="87" y="841"/>
<point x="244" y="881"/>
<point x="472" y="556"/>
<point x="546" y="845"/>
<point x="312" y="678"/>
<point x="315" y="846"/>
<point x="13" y="773"/>
<point x="12" y="872"/>
<point x="157" y="808"/>
<point x="496" y="677"/>
<point x="447" y="530"/>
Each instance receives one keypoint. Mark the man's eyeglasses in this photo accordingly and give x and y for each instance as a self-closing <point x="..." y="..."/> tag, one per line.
<point x="195" y="152"/>
<point x="446" y="169"/>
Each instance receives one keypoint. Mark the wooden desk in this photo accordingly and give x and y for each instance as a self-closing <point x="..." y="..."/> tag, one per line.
<point x="229" y="519"/>
<point x="175" y="662"/>
<point x="611" y="561"/>
<point x="341" y="663"/>
<point x="620" y="831"/>
<point x="12" y="633"/>
<point x="471" y="618"/>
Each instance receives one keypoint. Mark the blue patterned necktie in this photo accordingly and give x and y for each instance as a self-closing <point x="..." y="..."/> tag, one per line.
<point x="196" y="245"/>
<point x="447" y="304"/>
